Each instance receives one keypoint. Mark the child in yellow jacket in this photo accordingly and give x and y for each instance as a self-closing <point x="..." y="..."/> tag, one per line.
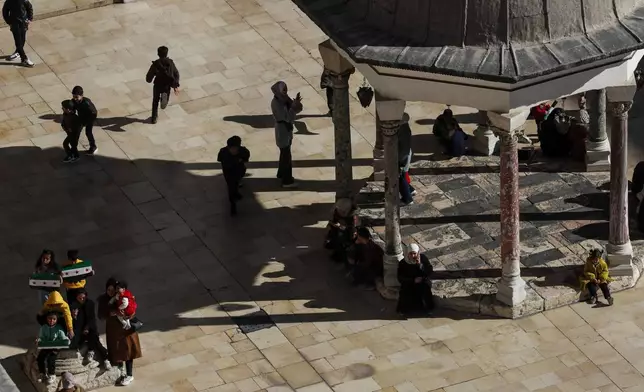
<point x="56" y="304"/>
<point x="72" y="288"/>
<point x="596" y="276"/>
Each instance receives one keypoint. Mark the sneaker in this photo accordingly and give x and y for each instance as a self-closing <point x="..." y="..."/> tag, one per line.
<point x="74" y="159"/>
<point x="610" y="301"/>
<point x="27" y="63"/>
<point x="291" y="185"/>
<point x="153" y="120"/>
<point x="68" y="159"/>
<point x="51" y="379"/>
<point x="90" y="356"/>
<point x="164" y="100"/>
<point x="42" y="378"/>
<point x="107" y="364"/>
<point x="414" y="193"/>
<point x="92" y="150"/>
<point x="13" y="56"/>
<point x="126" y="380"/>
<point x="407" y="204"/>
<point x="593" y="300"/>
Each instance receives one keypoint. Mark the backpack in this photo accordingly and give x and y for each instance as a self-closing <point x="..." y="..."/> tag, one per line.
<point x="164" y="74"/>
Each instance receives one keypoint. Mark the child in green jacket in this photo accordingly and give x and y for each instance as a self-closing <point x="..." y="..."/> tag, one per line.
<point x="54" y="336"/>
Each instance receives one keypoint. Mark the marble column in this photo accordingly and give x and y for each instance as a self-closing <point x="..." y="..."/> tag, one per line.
<point x="484" y="140"/>
<point x="342" y="134"/>
<point x="597" y="144"/>
<point x="619" y="249"/>
<point x="379" y="153"/>
<point x="511" y="287"/>
<point x="393" y="243"/>
<point x="390" y="113"/>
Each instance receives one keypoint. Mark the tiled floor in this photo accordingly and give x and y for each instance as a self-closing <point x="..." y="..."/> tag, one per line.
<point x="151" y="207"/>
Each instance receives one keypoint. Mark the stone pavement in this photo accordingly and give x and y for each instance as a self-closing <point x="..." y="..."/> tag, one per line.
<point x="151" y="207"/>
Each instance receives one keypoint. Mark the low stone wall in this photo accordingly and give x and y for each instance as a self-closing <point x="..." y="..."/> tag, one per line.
<point x="6" y="383"/>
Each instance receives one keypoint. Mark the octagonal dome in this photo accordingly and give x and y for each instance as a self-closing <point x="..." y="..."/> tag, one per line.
<point x="497" y="40"/>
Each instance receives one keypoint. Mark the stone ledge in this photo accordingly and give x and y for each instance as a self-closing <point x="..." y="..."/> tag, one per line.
<point x="6" y="383"/>
<point x="89" y="376"/>
<point x="49" y="8"/>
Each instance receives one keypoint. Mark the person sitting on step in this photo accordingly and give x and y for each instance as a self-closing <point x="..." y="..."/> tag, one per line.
<point x="596" y="277"/>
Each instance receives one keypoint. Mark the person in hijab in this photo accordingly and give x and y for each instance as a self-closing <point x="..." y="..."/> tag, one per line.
<point x="554" y="135"/>
<point x="596" y="277"/>
<point x="341" y="228"/>
<point x="284" y="111"/>
<point x="414" y="273"/>
<point x="68" y="384"/>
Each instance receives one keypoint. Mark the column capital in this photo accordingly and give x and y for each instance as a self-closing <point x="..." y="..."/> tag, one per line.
<point x="509" y="122"/>
<point x="341" y="80"/>
<point x="389" y="109"/>
<point x="620" y="109"/>
<point x="390" y="128"/>
<point x="333" y="60"/>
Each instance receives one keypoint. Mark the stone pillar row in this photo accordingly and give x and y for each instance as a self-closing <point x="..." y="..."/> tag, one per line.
<point x="597" y="145"/>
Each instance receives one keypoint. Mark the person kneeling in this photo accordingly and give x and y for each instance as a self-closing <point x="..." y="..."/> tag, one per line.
<point x="414" y="273"/>
<point x="368" y="261"/>
<point x="596" y="277"/>
<point x="51" y="338"/>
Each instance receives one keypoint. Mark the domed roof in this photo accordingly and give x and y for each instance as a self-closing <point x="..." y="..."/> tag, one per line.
<point x="498" y="40"/>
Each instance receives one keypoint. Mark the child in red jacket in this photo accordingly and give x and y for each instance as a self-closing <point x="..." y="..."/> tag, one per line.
<point x="126" y="304"/>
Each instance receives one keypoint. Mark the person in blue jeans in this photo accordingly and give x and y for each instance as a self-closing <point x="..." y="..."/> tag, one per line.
<point x="404" y="160"/>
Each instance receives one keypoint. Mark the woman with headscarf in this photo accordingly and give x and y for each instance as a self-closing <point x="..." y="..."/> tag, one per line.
<point x="284" y="111"/>
<point x="450" y="134"/>
<point x="414" y="273"/>
<point x="123" y="345"/>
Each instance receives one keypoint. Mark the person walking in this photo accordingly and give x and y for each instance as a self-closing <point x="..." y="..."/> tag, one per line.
<point x="284" y="111"/>
<point x="87" y="113"/>
<point x="233" y="159"/>
<point x="72" y="126"/>
<point x="18" y="14"/>
<point x="165" y="76"/>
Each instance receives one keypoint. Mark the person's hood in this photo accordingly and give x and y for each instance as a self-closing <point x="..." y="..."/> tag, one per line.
<point x="278" y="91"/>
<point x="55" y="300"/>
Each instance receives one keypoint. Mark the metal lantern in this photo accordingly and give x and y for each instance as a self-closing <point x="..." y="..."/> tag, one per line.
<point x="365" y="94"/>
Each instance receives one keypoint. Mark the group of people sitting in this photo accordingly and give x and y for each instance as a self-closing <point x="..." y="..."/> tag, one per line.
<point x="71" y="323"/>
<point x="561" y="135"/>
<point x="353" y="246"/>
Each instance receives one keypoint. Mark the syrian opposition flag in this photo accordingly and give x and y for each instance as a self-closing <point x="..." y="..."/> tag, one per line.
<point x="76" y="272"/>
<point x="44" y="281"/>
<point x="55" y="345"/>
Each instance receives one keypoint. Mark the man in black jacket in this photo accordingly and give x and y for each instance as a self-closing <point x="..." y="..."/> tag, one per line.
<point x="233" y="160"/>
<point x="85" y="330"/>
<point x="18" y="14"/>
<point x="72" y="125"/>
<point x="87" y="113"/>
<point x="166" y="77"/>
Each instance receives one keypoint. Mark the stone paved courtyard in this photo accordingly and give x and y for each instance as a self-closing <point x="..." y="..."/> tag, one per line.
<point x="151" y="207"/>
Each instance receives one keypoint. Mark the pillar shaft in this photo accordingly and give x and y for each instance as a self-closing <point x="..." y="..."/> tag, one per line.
<point x="512" y="287"/>
<point x="597" y="131"/>
<point x="378" y="148"/>
<point x="618" y="231"/>
<point x="393" y="248"/>
<point x="342" y="134"/>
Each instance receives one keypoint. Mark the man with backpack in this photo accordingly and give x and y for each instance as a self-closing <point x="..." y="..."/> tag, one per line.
<point x="166" y="77"/>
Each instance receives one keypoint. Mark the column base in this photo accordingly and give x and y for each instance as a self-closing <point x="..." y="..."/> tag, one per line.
<point x="620" y="259"/>
<point x="511" y="292"/>
<point x="597" y="156"/>
<point x="484" y="141"/>
<point x="391" y="270"/>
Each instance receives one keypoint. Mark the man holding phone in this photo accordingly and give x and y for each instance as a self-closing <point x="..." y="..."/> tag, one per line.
<point x="284" y="111"/>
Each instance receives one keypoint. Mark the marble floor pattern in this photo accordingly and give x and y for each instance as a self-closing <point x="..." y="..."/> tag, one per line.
<point x="151" y="207"/>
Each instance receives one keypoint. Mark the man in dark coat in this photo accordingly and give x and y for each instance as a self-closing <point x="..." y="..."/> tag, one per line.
<point x="87" y="113"/>
<point x="233" y="160"/>
<point x="18" y="14"/>
<point x="165" y="76"/>
<point x="85" y="330"/>
<point x="72" y="126"/>
<point x="368" y="260"/>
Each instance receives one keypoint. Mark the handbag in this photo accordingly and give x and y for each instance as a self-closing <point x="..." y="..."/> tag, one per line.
<point x="136" y="324"/>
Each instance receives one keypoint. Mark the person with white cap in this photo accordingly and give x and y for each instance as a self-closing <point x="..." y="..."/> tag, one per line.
<point x="67" y="383"/>
<point x="414" y="273"/>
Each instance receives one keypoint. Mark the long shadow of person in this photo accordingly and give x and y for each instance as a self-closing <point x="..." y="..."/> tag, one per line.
<point x="113" y="124"/>
<point x="266" y="121"/>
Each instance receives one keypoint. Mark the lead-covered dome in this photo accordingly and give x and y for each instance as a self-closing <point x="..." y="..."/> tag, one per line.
<point x="501" y="40"/>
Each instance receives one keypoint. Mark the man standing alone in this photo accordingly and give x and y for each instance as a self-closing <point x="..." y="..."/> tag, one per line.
<point x="166" y="77"/>
<point x="18" y="14"/>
